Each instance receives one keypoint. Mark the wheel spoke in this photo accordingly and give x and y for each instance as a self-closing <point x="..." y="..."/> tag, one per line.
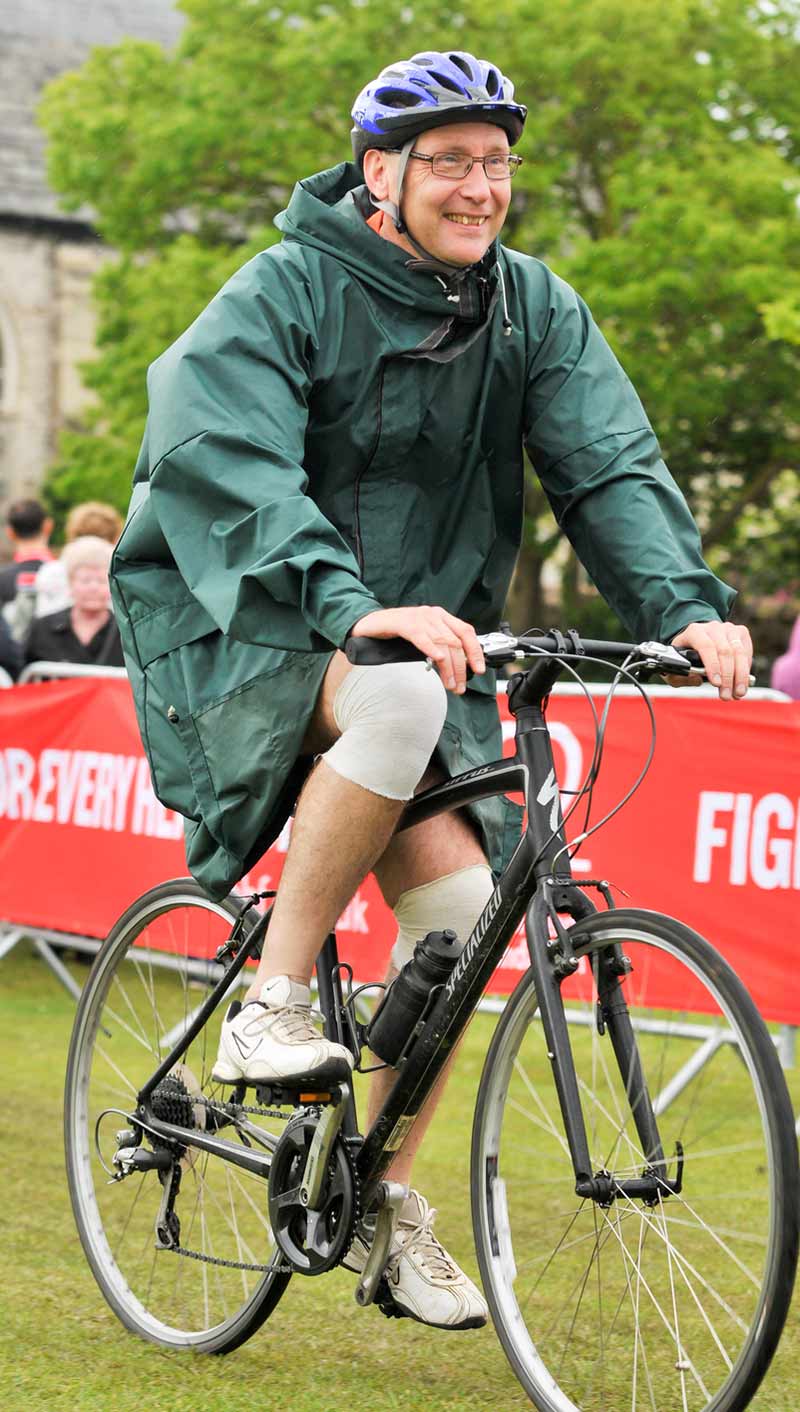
<point x="134" y="1014"/>
<point x="139" y="1006"/>
<point x="684" y="1363"/>
<point x="666" y="1308"/>
<point x="686" y="1264"/>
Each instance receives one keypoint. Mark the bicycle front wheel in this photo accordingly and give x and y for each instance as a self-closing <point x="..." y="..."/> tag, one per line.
<point x="148" y="981"/>
<point x="675" y="1306"/>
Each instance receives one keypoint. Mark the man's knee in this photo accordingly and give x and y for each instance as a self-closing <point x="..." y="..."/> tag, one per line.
<point x="455" y="900"/>
<point x="390" y="720"/>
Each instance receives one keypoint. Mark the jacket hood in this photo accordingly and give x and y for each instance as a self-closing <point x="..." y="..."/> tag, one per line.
<point x="327" y="212"/>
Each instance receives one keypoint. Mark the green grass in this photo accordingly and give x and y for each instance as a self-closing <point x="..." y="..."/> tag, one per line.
<point x="61" y="1348"/>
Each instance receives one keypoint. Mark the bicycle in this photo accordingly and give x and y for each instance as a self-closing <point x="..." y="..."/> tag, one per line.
<point x="635" y="1214"/>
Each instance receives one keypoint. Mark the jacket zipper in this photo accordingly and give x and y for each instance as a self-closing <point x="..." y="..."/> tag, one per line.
<point x="363" y="472"/>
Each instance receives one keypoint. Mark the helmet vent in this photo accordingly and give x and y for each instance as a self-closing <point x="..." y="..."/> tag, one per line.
<point x="396" y="98"/>
<point x="492" y="84"/>
<point x="461" y="64"/>
<point x="446" y="82"/>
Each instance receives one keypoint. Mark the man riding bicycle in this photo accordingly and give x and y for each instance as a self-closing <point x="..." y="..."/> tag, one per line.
<point x="335" y="448"/>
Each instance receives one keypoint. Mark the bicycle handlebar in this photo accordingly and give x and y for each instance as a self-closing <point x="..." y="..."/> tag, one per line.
<point x="500" y="648"/>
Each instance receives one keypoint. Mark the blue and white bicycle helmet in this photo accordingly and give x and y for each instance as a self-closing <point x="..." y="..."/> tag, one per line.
<point x="429" y="90"/>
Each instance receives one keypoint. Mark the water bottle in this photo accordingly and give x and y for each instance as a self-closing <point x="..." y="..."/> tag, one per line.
<point x="390" y="1027"/>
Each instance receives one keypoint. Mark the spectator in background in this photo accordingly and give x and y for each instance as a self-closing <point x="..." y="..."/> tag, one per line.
<point x="28" y="526"/>
<point x="93" y="517"/>
<point x="786" y="670"/>
<point x="85" y="632"/>
<point x="10" y="651"/>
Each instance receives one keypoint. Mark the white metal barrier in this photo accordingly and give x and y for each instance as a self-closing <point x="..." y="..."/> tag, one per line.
<point x="43" y="939"/>
<point x="49" y="671"/>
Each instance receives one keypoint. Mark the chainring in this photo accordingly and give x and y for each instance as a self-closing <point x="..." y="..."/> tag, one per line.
<point x="312" y="1241"/>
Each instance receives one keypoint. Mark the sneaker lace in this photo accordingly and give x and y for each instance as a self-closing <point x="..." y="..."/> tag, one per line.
<point x="294" y="1024"/>
<point x="419" y="1236"/>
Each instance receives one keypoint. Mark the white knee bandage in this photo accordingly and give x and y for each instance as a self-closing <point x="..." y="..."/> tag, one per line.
<point x="391" y="718"/>
<point x="455" y="900"/>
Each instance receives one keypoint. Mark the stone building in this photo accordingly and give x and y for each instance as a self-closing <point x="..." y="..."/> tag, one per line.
<point x="47" y="257"/>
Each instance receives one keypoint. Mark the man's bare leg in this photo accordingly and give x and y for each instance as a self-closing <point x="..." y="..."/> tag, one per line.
<point x="421" y="1278"/>
<point x="433" y="849"/>
<point x="382" y="1082"/>
<point x="323" y="868"/>
<point x="325" y="863"/>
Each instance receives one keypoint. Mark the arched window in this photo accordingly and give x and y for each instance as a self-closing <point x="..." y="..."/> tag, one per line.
<point x="8" y="365"/>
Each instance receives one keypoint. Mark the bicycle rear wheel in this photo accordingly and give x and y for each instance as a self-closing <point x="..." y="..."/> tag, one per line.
<point x="675" y="1307"/>
<point x="150" y="977"/>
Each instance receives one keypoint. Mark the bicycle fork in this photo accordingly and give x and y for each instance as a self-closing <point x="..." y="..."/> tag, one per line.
<point x="551" y="964"/>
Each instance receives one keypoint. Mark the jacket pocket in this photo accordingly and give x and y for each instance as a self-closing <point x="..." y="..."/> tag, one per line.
<point x="221" y="764"/>
<point x="245" y="760"/>
<point x="165" y="724"/>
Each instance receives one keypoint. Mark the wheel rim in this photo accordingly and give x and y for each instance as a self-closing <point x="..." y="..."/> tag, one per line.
<point x="692" y="1273"/>
<point x="138" y="1001"/>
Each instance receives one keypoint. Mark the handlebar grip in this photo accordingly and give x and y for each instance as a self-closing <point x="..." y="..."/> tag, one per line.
<point x="380" y="651"/>
<point x="691" y="656"/>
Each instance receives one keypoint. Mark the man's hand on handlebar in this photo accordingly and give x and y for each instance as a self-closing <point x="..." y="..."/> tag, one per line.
<point x="450" y="643"/>
<point x="727" y="654"/>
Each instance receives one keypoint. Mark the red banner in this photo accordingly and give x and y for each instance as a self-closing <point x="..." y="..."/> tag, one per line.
<point x="712" y="836"/>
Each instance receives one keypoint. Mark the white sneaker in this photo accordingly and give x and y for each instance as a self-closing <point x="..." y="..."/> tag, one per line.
<point x="272" y="1040"/>
<point x="420" y="1278"/>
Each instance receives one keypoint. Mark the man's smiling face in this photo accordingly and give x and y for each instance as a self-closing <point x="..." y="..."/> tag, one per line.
<point x="456" y="220"/>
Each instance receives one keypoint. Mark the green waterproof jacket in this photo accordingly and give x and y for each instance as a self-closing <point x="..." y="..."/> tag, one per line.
<point x="340" y="431"/>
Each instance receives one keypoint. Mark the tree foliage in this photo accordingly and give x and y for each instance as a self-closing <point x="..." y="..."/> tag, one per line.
<point x="661" y="177"/>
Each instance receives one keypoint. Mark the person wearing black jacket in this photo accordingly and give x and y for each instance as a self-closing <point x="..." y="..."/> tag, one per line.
<point x="28" y="527"/>
<point x="86" y="632"/>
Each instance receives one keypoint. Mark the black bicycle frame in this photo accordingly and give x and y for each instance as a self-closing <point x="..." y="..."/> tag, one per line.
<point x="536" y="884"/>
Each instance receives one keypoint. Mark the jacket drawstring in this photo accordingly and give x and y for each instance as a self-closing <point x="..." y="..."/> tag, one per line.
<point x="508" y="327"/>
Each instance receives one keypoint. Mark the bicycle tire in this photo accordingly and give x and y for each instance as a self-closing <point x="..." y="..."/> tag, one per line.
<point x="689" y="1298"/>
<point x="147" y="979"/>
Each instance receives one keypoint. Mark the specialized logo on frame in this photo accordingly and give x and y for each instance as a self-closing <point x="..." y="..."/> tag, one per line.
<point x="487" y="916"/>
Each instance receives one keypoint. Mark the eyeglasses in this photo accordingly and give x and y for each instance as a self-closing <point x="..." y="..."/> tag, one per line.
<point x="498" y="166"/>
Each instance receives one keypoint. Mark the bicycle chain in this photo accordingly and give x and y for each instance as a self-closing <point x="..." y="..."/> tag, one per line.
<point x="217" y="1259"/>
<point x="229" y="1264"/>
<point x="221" y="1107"/>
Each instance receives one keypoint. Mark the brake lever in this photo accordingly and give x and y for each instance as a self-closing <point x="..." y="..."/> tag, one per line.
<point x="497" y="642"/>
<point x="663" y="657"/>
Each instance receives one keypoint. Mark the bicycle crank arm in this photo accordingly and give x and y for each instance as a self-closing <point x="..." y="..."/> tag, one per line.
<point x="391" y="1196"/>
<point x="319" y="1154"/>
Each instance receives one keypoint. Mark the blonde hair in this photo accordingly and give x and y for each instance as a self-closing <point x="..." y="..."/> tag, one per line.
<point x="95" y="518"/>
<point x="87" y="552"/>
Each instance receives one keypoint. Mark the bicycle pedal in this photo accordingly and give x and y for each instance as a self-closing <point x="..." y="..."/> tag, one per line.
<point x="281" y="1096"/>
<point x="387" y="1305"/>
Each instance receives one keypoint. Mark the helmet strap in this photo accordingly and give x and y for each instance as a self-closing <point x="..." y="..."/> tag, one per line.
<point x="392" y="208"/>
<point x="428" y="262"/>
